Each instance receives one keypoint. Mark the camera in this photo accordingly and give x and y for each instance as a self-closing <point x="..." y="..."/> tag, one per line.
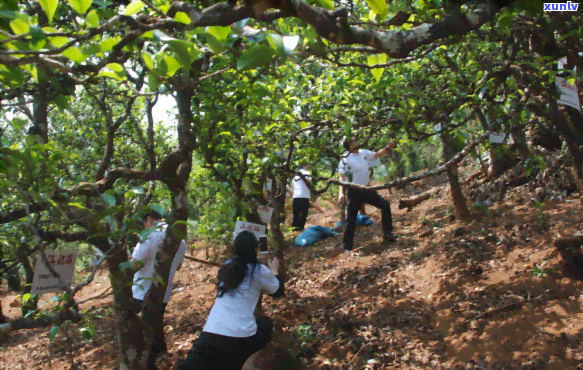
<point x="263" y="244"/>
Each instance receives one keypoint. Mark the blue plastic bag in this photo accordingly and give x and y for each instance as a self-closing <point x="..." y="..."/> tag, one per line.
<point x="361" y="220"/>
<point x="313" y="234"/>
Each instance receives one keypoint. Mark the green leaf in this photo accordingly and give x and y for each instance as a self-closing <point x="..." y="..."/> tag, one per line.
<point x="148" y="60"/>
<point x="108" y="198"/>
<point x="80" y="6"/>
<point x="182" y="18"/>
<point x="57" y="156"/>
<point x="255" y="57"/>
<point x="170" y="65"/>
<point x="377" y="73"/>
<point x="58" y="41"/>
<point x="134" y="191"/>
<point x="53" y="332"/>
<point x="158" y="208"/>
<point x="187" y="52"/>
<point x="215" y="45"/>
<point x="49" y="7"/>
<point x="504" y="21"/>
<point x="146" y="232"/>
<point x="378" y="6"/>
<point x="113" y="75"/>
<point x="220" y="33"/>
<point x="126" y="265"/>
<point x="78" y="205"/>
<point x="75" y="54"/>
<point x="116" y="67"/>
<point x="92" y="19"/>
<point x="37" y="34"/>
<point x="108" y="44"/>
<point x="19" y="26"/>
<point x="17" y="123"/>
<point x="326" y="4"/>
<point x="134" y="7"/>
<point x="276" y="42"/>
<point x="86" y="332"/>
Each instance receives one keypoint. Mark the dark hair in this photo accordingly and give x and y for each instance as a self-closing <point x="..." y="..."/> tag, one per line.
<point x="347" y="141"/>
<point x="153" y="214"/>
<point x="234" y="271"/>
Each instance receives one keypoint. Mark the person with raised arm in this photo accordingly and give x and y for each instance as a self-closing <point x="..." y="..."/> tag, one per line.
<point x="355" y="162"/>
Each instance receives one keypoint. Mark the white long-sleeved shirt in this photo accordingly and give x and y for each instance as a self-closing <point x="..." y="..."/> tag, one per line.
<point x="357" y="164"/>
<point x="146" y="252"/>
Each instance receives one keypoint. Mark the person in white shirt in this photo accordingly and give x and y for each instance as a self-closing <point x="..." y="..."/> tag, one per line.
<point x="301" y="199"/>
<point x="145" y="254"/>
<point x="232" y="334"/>
<point x="355" y="162"/>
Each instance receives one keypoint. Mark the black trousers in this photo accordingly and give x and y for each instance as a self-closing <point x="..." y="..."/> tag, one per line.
<point x="300" y="209"/>
<point x="159" y="342"/>
<point x="213" y="351"/>
<point x="356" y="198"/>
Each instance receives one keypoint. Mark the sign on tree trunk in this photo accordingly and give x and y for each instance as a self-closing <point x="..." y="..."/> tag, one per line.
<point x="64" y="264"/>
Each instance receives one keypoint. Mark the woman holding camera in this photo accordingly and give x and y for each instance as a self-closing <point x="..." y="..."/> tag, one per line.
<point x="232" y="334"/>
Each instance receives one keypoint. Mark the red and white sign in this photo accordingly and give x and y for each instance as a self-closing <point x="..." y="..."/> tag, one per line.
<point x="64" y="264"/>
<point x="265" y="213"/>
<point x="569" y="94"/>
<point x="258" y="230"/>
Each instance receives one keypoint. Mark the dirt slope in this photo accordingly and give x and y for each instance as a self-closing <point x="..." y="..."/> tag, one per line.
<point x="446" y="295"/>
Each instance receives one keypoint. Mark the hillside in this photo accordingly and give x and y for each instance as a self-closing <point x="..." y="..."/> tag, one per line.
<point x="491" y="294"/>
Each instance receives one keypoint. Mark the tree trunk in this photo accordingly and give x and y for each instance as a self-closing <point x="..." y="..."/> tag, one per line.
<point x="129" y="328"/>
<point x="276" y="222"/>
<point x="22" y="256"/>
<point x="461" y="209"/>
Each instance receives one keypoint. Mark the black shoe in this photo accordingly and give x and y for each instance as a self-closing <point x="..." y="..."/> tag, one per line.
<point x="389" y="238"/>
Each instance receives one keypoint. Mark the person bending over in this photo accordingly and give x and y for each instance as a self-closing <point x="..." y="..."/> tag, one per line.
<point x="232" y="334"/>
<point x="355" y="162"/>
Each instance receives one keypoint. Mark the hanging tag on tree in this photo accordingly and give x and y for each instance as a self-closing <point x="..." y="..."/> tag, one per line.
<point x="510" y="139"/>
<point x="267" y="185"/>
<point x="437" y="127"/>
<point x="497" y="137"/>
<point x="265" y="213"/>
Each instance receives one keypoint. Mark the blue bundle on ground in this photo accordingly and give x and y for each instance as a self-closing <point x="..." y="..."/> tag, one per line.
<point x="361" y="220"/>
<point x="314" y="234"/>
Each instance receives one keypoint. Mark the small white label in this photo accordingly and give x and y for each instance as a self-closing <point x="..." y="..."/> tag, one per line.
<point x="64" y="264"/>
<point x="258" y="230"/>
<point x="569" y="95"/>
<point x="510" y="139"/>
<point x="497" y="138"/>
<point x="265" y="213"/>
<point x="267" y="185"/>
<point x="437" y="127"/>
